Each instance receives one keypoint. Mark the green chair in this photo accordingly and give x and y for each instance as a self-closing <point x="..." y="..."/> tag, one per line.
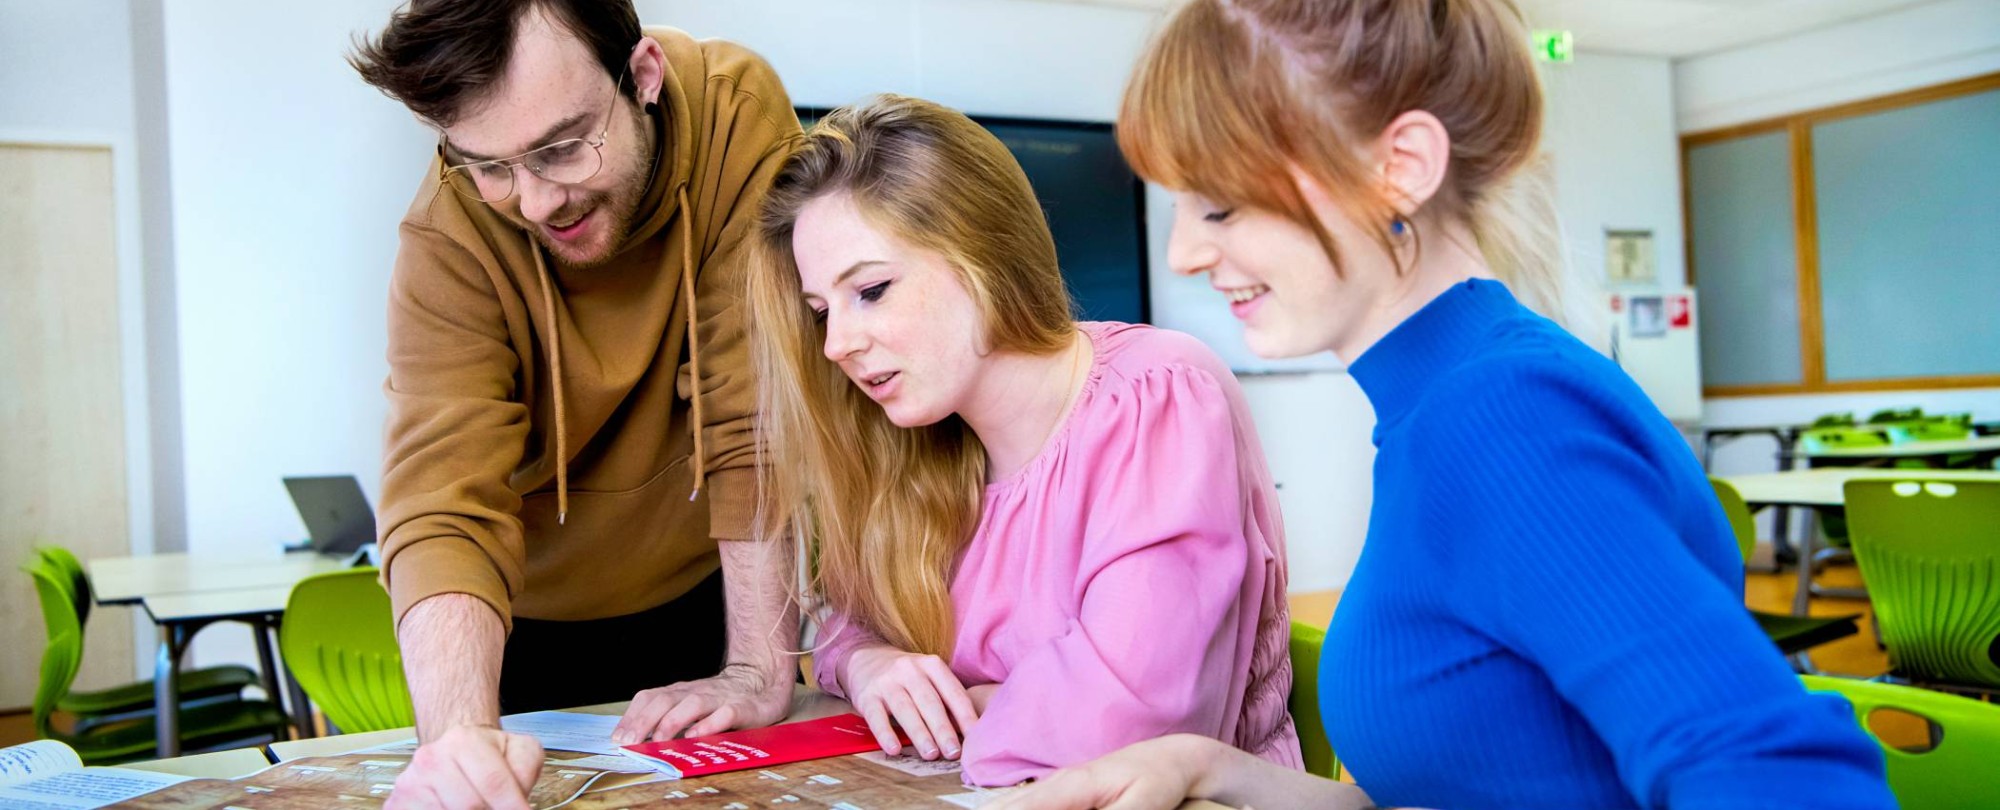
<point x="1962" y="769"/>
<point x="91" y="706"/>
<point x="1834" y="420"/>
<point x="1930" y="553"/>
<point x="1929" y="430"/>
<point x="339" y="639"/>
<point x="1306" y="642"/>
<point x="1819" y="440"/>
<point x="1793" y="635"/>
<point x="1888" y="415"/>
<point x="206" y="724"/>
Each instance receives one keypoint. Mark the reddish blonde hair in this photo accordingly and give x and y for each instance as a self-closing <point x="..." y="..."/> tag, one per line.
<point x="1234" y="93"/>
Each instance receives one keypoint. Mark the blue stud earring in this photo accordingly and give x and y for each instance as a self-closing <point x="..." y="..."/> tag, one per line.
<point x="1397" y="228"/>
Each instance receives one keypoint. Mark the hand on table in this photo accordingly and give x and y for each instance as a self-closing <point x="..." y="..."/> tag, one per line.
<point x="917" y="692"/>
<point x="470" y="766"/>
<point x="1149" y="775"/>
<point x="741" y="696"/>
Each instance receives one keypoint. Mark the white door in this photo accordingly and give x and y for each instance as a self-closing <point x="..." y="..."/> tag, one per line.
<point x="62" y="429"/>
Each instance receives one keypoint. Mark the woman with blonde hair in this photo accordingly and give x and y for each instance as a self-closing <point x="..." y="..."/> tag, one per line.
<point x="1039" y="539"/>
<point x="1548" y="610"/>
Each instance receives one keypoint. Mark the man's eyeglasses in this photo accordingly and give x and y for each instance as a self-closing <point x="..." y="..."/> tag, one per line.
<point x="566" y="162"/>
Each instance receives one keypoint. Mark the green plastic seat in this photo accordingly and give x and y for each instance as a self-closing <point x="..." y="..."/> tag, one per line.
<point x="195" y="685"/>
<point x="1793" y="635"/>
<point x="214" y="722"/>
<point x="1930" y="553"/>
<point x="1888" y="415"/>
<point x="1929" y="430"/>
<point x="339" y="638"/>
<point x="1306" y="643"/>
<point x="1960" y="772"/>
<point x="1835" y="438"/>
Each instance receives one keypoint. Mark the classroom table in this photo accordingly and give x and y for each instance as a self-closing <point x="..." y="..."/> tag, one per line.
<point x="182" y="593"/>
<point x="1983" y="448"/>
<point x="807" y="704"/>
<point x="1823" y="487"/>
<point x="1787" y="437"/>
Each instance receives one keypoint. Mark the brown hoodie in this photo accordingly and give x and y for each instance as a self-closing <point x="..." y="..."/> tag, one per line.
<point x="557" y="444"/>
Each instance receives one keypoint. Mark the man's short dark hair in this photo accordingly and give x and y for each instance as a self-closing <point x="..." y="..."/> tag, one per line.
<point x="437" y="55"/>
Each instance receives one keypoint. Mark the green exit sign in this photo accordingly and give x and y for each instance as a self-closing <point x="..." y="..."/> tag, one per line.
<point x="1554" y="46"/>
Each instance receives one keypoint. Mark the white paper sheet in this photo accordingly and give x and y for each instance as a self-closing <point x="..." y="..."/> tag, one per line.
<point x="26" y="761"/>
<point x="566" y="731"/>
<point x="85" y="789"/>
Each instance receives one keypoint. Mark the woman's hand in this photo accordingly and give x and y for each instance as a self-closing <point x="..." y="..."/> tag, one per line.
<point x="918" y="692"/>
<point x="1163" y="773"/>
<point x="1158" y="774"/>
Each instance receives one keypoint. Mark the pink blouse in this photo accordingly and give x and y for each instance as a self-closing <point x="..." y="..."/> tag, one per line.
<point x="1129" y="582"/>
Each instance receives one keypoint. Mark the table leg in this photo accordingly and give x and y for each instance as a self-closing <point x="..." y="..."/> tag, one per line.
<point x="1781" y="543"/>
<point x="167" y="690"/>
<point x="1802" y="600"/>
<point x="263" y="627"/>
<point x="267" y="664"/>
<point x="302" y="718"/>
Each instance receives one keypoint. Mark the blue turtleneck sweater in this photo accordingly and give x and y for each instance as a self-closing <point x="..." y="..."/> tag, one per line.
<point x="1549" y="609"/>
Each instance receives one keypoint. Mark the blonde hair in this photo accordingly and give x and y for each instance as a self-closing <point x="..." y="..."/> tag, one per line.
<point x="1233" y="93"/>
<point x="881" y="512"/>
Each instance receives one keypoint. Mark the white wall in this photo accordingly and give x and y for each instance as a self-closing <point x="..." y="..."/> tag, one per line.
<point x="1917" y="47"/>
<point x="289" y="176"/>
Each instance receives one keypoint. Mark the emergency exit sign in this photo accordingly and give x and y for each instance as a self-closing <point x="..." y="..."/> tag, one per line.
<point x="1554" y="46"/>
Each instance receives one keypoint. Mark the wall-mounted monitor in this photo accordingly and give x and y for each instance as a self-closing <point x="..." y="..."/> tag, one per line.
<point x="1095" y="205"/>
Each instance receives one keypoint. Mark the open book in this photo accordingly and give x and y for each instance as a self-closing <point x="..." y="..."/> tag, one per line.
<point x="47" y="775"/>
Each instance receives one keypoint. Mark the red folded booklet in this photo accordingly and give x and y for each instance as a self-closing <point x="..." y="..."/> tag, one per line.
<point x="757" y="747"/>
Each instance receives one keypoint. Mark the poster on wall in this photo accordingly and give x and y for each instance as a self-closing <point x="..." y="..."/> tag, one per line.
<point x="1628" y="258"/>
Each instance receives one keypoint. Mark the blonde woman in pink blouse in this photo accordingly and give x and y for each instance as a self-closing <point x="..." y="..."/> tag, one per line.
<point x="1037" y="540"/>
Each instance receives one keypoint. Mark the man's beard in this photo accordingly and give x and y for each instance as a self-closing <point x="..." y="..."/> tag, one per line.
<point x="618" y="208"/>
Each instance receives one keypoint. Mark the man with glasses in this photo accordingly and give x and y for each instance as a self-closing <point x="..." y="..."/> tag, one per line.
<point x="569" y="479"/>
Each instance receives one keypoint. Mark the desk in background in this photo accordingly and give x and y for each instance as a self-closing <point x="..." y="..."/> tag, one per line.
<point x="183" y="593"/>
<point x="1824" y="487"/>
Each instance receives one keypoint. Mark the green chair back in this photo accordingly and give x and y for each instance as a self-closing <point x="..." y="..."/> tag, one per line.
<point x="71" y="570"/>
<point x="1819" y="439"/>
<point x="339" y="639"/>
<point x="1960" y="771"/>
<point x="63" y="654"/>
<point x="1887" y="415"/>
<point x="1930" y="553"/>
<point x="1306" y="643"/>
<point x="1738" y="512"/>
<point x="1930" y="430"/>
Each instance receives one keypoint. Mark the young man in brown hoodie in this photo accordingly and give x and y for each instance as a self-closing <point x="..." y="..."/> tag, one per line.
<point x="570" y="470"/>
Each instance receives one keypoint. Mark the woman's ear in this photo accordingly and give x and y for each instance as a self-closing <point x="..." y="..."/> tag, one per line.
<point x="1415" y="151"/>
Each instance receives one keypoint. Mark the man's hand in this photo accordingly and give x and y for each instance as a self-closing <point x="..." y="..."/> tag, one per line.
<point x="741" y="696"/>
<point x="470" y="766"/>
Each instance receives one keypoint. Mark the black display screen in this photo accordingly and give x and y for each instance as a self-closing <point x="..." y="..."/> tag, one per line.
<point x="1095" y="205"/>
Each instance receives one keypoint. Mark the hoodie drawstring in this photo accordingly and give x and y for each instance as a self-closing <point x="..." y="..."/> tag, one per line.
<point x="694" y="364"/>
<point x="555" y="371"/>
<point x="694" y="339"/>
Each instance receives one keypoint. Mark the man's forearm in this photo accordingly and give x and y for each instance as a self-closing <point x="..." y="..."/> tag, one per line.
<point x="763" y="619"/>
<point x="452" y="645"/>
